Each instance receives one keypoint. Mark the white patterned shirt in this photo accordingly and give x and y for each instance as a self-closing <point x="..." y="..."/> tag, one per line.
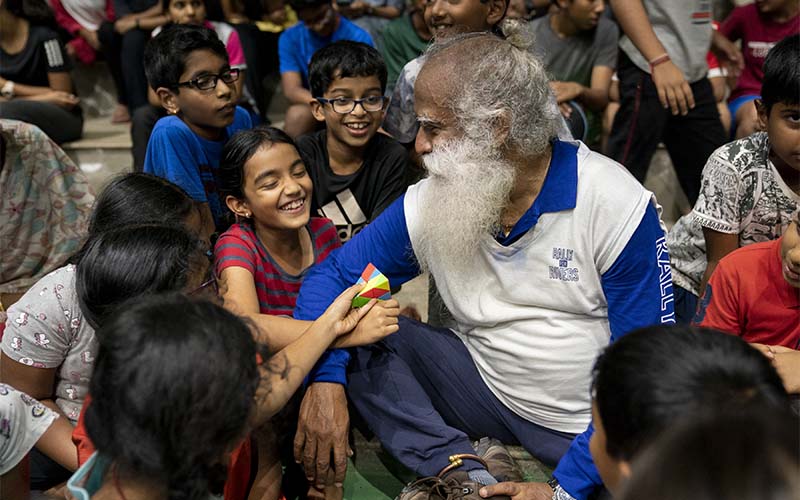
<point x="741" y="193"/>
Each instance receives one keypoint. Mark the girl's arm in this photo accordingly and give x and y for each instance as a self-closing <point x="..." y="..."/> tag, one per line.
<point x="38" y="383"/>
<point x="287" y="369"/>
<point x="238" y="290"/>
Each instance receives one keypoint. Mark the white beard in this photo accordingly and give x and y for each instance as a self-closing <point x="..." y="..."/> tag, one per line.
<point x="468" y="187"/>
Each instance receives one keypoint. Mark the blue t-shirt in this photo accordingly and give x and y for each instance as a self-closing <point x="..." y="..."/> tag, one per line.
<point x="179" y="155"/>
<point x="297" y="44"/>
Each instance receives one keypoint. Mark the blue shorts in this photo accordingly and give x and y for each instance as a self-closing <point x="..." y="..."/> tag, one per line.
<point x="737" y="103"/>
<point x="733" y="107"/>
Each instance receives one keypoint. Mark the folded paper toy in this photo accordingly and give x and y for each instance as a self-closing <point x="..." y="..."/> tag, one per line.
<point x="377" y="287"/>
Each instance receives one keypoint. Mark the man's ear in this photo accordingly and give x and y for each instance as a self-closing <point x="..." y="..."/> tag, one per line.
<point x="497" y="9"/>
<point x="238" y="207"/>
<point x="501" y="124"/>
<point x="763" y="114"/>
<point x="316" y="110"/>
<point x="168" y="100"/>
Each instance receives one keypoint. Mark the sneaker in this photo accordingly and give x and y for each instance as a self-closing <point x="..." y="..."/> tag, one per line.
<point x="498" y="460"/>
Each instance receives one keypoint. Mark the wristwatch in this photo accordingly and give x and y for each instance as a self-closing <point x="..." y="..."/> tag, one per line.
<point x="8" y="90"/>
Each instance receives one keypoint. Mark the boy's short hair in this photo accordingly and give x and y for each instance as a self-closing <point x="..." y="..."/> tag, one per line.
<point x="306" y="4"/>
<point x="344" y="59"/>
<point x="782" y="73"/>
<point x="165" y="54"/>
<point x="752" y="455"/>
<point x="653" y="377"/>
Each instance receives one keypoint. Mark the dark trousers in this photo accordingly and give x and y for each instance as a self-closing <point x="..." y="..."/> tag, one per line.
<point x="421" y="394"/>
<point x="642" y="122"/>
<point x="111" y="47"/>
<point x="685" y="305"/>
<point x="46" y="472"/>
<point x="131" y="56"/>
<point x="61" y="125"/>
<point x="142" y="123"/>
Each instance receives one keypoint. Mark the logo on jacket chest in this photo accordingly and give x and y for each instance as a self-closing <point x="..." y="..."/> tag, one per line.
<point x="563" y="271"/>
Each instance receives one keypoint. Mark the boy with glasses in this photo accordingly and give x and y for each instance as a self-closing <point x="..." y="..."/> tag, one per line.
<point x="188" y="68"/>
<point x="356" y="171"/>
<point x="320" y="25"/>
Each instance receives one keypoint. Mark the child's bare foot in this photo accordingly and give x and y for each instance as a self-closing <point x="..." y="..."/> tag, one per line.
<point x="120" y="114"/>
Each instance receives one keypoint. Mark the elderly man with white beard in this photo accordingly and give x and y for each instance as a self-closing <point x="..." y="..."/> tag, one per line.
<point x="544" y="252"/>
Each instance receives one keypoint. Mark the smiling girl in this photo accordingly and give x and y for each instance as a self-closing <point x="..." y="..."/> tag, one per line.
<point x="262" y="259"/>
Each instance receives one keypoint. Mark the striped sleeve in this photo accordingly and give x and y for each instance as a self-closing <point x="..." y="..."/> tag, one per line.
<point x="234" y="248"/>
<point x="56" y="56"/>
<point x="324" y="236"/>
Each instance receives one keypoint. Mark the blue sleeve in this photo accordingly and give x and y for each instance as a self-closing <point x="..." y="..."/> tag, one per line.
<point x="364" y="36"/>
<point x="172" y="154"/>
<point x="355" y="33"/>
<point x="289" y="50"/>
<point x="386" y="244"/>
<point x="638" y="289"/>
<point x="638" y="286"/>
<point x="241" y="121"/>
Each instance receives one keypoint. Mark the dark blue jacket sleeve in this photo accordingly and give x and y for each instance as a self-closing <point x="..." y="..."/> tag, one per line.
<point x="386" y="244"/>
<point x="638" y="289"/>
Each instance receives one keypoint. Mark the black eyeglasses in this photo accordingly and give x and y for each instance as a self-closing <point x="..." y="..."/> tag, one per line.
<point x="345" y="105"/>
<point x="208" y="82"/>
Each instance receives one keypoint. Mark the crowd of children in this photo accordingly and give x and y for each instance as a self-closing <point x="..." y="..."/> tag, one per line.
<point x="148" y="348"/>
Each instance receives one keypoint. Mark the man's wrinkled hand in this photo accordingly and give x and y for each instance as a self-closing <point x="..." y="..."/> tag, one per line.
<point x="322" y="431"/>
<point x="674" y="91"/>
<point x="519" y="491"/>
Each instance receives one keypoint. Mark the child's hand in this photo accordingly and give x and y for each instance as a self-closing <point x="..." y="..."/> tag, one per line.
<point x="380" y="322"/>
<point x="341" y="316"/>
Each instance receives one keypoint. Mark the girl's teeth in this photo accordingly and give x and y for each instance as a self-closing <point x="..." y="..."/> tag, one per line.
<point x="293" y="205"/>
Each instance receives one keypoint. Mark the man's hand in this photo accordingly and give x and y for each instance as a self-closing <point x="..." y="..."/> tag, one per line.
<point x="90" y="37"/>
<point x="673" y="89"/>
<point x="125" y="24"/>
<point x="727" y="53"/>
<point x="566" y="91"/>
<point x="354" y="10"/>
<point x="322" y="430"/>
<point x="519" y="491"/>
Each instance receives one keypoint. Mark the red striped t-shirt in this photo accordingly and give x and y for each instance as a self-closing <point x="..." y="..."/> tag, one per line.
<point x="276" y="289"/>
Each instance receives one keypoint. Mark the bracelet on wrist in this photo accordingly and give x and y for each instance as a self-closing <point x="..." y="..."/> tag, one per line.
<point x="658" y="60"/>
<point x="137" y="23"/>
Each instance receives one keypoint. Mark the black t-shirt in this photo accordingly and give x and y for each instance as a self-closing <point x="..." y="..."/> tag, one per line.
<point x="43" y="53"/>
<point x="351" y="201"/>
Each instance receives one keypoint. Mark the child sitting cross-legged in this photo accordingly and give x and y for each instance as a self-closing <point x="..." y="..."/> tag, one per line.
<point x="192" y="12"/>
<point x="189" y="69"/>
<point x="658" y="377"/>
<point x="750" y="187"/>
<point x="261" y="262"/>
<point x="357" y="172"/>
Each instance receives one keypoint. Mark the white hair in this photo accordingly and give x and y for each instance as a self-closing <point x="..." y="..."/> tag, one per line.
<point x="498" y="79"/>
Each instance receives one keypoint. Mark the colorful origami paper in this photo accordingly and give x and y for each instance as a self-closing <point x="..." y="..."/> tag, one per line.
<point x="377" y="287"/>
